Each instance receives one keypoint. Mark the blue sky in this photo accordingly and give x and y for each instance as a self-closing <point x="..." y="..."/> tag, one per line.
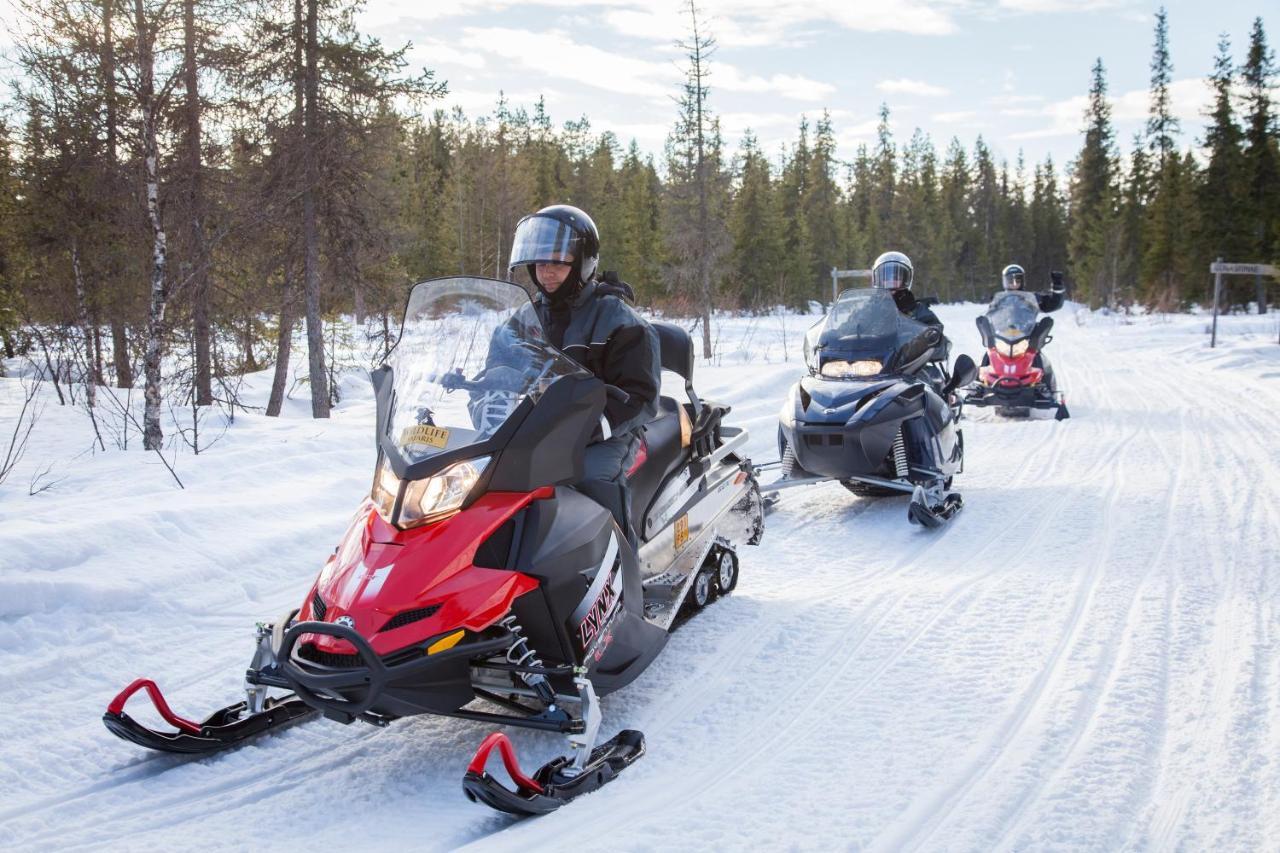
<point x="1014" y="71"/>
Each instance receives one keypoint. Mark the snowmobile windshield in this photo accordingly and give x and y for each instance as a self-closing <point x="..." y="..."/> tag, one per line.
<point x="1013" y="314"/>
<point x="470" y="352"/>
<point x="864" y="330"/>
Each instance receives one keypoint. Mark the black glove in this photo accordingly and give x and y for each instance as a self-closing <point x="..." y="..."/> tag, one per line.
<point x="1057" y="284"/>
<point x="453" y="380"/>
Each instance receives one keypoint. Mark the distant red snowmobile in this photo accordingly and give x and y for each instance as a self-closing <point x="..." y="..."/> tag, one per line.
<point x="473" y="582"/>
<point x="1015" y="377"/>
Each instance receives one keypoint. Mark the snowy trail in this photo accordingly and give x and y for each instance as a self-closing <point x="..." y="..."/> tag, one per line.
<point x="1086" y="658"/>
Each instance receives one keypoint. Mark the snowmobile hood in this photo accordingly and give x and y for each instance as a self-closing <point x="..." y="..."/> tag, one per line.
<point x="834" y="401"/>
<point x="399" y="587"/>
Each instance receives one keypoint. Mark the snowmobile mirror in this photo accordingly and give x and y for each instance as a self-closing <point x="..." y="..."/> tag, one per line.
<point x="964" y="372"/>
<point x="1040" y="333"/>
<point x="984" y="329"/>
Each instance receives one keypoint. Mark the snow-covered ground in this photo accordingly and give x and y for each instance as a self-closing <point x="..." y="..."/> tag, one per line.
<point x="1088" y="657"/>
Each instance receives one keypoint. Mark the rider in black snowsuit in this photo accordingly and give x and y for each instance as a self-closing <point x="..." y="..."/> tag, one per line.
<point x="1014" y="277"/>
<point x="893" y="271"/>
<point x="591" y="322"/>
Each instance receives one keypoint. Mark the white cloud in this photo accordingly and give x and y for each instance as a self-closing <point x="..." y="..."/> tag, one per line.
<point x="1188" y="100"/>
<point x="558" y="56"/>
<point x="754" y="23"/>
<point x="791" y="86"/>
<point x="904" y="86"/>
<point x="1060" y="5"/>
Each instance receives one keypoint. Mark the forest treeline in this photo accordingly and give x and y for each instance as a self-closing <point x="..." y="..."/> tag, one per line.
<point x="202" y="178"/>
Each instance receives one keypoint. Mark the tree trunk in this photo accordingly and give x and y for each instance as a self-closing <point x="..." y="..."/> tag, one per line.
<point x="284" y="349"/>
<point x="195" y="205"/>
<point x="86" y="328"/>
<point x="119" y="338"/>
<point x="120" y="354"/>
<point x="152" y="434"/>
<point x="250" y="363"/>
<point x="310" y="229"/>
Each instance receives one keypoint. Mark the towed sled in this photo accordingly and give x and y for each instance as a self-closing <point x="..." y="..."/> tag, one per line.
<point x="473" y="582"/>
<point x="877" y="410"/>
<point x="1015" y="378"/>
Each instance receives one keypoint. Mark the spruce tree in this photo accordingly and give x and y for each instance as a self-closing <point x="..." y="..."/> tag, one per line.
<point x="1224" y="196"/>
<point x="1093" y="240"/>
<point x="1261" y="153"/>
<point x="756" y="263"/>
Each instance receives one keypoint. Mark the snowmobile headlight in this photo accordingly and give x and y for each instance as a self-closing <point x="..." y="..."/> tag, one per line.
<point x="1019" y="348"/>
<point x="1004" y="347"/>
<point x="386" y="486"/>
<point x="840" y="369"/>
<point x="435" y="497"/>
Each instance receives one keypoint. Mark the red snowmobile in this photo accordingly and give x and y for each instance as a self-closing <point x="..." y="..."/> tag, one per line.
<point x="474" y="582"/>
<point x="1015" y="377"/>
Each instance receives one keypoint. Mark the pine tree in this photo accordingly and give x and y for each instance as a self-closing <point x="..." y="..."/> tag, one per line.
<point x="1224" y="221"/>
<point x="821" y="203"/>
<point x="1093" y="241"/>
<point x="698" y="187"/>
<point x="1162" y="127"/>
<point x="956" y="242"/>
<point x="1261" y="153"/>
<point x="797" y="242"/>
<point x="756" y="263"/>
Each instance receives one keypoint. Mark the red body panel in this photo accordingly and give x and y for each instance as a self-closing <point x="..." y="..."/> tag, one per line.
<point x="1011" y="371"/>
<point x="379" y="571"/>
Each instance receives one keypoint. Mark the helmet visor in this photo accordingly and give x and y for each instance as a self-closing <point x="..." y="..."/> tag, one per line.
<point x="1014" y="279"/>
<point x="542" y="240"/>
<point x="891" y="275"/>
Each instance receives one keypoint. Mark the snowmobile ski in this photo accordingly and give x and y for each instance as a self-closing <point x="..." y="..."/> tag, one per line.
<point x="555" y="783"/>
<point x="221" y="730"/>
<point x="932" y="514"/>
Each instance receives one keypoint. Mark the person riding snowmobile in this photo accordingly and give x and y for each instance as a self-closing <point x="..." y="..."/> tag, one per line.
<point x="1014" y="277"/>
<point x="589" y="319"/>
<point x="893" y="271"/>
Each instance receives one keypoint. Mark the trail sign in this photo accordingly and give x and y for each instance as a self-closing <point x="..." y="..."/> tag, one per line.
<point x="1219" y="269"/>
<point x="1242" y="269"/>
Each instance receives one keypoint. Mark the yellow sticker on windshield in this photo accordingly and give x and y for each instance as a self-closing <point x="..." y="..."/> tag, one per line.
<point x="431" y="436"/>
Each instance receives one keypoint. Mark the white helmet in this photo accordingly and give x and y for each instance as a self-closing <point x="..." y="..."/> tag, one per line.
<point x="892" y="271"/>
<point x="1013" y="277"/>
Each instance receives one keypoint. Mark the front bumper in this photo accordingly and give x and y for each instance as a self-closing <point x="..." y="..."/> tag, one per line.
<point x="406" y="682"/>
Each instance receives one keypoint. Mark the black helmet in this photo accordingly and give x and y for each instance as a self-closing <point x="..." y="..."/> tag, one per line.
<point x="1014" y="277"/>
<point x="892" y="271"/>
<point x="557" y="234"/>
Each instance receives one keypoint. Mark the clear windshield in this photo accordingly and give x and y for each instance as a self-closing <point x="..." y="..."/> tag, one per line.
<point x="866" y="325"/>
<point x="1013" y="314"/>
<point x="471" y="350"/>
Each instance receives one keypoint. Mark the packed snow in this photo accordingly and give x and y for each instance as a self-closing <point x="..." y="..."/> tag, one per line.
<point x="1087" y="657"/>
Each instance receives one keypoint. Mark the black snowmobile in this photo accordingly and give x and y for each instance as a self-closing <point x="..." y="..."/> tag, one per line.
<point x="874" y="413"/>
<point x="474" y="582"/>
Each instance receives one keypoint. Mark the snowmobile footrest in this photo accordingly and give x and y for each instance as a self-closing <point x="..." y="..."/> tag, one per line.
<point x="222" y="730"/>
<point x="551" y="787"/>
<point x="920" y="512"/>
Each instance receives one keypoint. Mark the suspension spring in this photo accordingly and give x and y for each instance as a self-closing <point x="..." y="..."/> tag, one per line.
<point x="901" y="468"/>
<point x="519" y="653"/>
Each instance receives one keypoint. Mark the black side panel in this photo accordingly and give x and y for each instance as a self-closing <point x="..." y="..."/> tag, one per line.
<point x="547" y="448"/>
<point x="566" y="541"/>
